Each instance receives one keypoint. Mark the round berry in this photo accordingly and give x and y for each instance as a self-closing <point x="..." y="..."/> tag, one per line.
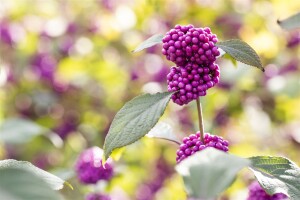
<point x="192" y="144"/>
<point x="195" y="44"/>
<point x="191" y="81"/>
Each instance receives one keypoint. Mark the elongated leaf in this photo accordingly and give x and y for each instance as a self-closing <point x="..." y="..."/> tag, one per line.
<point x="290" y="23"/>
<point x="155" y="39"/>
<point x="242" y="52"/>
<point x="135" y="120"/>
<point x="53" y="181"/>
<point x="277" y="175"/>
<point x="164" y="131"/>
<point x="209" y="172"/>
<point x="20" y="184"/>
<point x="19" y="131"/>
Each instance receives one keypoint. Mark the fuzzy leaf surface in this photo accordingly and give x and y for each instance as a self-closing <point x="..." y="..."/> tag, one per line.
<point x="53" y="181"/>
<point x="20" y="184"/>
<point x="209" y="172"/>
<point x="135" y="119"/>
<point x="241" y="52"/>
<point x="277" y="175"/>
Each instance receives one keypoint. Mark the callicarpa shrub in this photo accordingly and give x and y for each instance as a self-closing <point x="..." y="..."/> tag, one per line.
<point x="202" y="159"/>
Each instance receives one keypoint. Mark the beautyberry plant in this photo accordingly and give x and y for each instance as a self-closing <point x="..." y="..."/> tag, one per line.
<point x="201" y="156"/>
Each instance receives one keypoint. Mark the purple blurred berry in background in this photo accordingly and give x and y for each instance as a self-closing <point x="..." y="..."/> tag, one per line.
<point x="65" y="128"/>
<point x="97" y="196"/>
<point x="89" y="167"/>
<point x="294" y="39"/>
<point x="5" y="33"/>
<point x="44" y="65"/>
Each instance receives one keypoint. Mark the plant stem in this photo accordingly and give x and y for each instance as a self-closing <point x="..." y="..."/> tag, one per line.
<point x="200" y="119"/>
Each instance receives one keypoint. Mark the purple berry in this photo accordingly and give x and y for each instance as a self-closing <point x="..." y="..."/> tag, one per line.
<point x="89" y="167"/>
<point x="192" y="144"/>
<point x="256" y="192"/>
<point x="195" y="44"/>
<point x="191" y="81"/>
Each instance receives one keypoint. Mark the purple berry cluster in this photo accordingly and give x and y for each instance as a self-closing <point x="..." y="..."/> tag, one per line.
<point x="256" y="192"/>
<point x="194" y="52"/>
<point x="97" y="196"/>
<point x="89" y="167"/>
<point x="192" y="144"/>
<point x="191" y="81"/>
<point x="185" y="44"/>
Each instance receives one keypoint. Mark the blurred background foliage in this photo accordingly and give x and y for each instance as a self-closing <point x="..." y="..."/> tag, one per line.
<point x="67" y="66"/>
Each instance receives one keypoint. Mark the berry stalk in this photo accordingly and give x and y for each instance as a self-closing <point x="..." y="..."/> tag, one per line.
<point x="200" y="119"/>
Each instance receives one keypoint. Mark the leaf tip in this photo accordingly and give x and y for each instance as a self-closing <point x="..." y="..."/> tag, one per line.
<point x="69" y="185"/>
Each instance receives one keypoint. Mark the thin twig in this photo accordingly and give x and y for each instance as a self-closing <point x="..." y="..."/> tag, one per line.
<point x="200" y="119"/>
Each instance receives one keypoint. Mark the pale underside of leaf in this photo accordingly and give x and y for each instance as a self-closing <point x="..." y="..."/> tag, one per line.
<point x="163" y="131"/>
<point x="277" y="175"/>
<point x="21" y="184"/>
<point x="290" y="23"/>
<point x="53" y="181"/>
<point x="155" y="39"/>
<point x="241" y="52"/>
<point x="209" y="172"/>
<point x="135" y="120"/>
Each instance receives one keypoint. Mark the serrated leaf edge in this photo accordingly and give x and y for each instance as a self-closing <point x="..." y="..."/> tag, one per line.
<point x="107" y="154"/>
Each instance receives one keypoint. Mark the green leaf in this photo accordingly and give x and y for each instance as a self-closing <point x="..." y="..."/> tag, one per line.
<point x="54" y="182"/>
<point x="20" y="184"/>
<point x="242" y="52"/>
<point x="277" y="175"/>
<point x="290" y="23"/>
<point x="163" y="131"/>
<point x="20" y="131"/>
<point x="209" y="172"/>
<point x="155" y="39"/>
<point x="135" y="119"/>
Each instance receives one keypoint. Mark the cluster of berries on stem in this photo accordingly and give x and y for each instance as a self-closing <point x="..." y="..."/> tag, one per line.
<point x="192" y="144"/>
<point x="194" y="52"/>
